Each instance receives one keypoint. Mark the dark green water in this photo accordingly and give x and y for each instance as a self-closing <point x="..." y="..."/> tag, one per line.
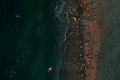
<point x="26" y="40"/>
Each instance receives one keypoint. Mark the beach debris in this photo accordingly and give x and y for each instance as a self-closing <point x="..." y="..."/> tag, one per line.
<point x="80" y="55"/>
<point x="78" y="43"/>
<point x="18" y="16"/>
<point x="74" y="18"/>
<point x="82" y="75"/>
<point x="75" y="73"/>
<point x="81" y="46"/>
<point x="50" y="69"/>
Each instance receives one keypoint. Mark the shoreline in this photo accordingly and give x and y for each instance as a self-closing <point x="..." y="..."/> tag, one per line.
<point x="95" y="36"/>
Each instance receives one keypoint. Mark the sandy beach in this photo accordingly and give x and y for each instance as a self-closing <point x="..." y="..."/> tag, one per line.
<point x="84" y="43"/>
